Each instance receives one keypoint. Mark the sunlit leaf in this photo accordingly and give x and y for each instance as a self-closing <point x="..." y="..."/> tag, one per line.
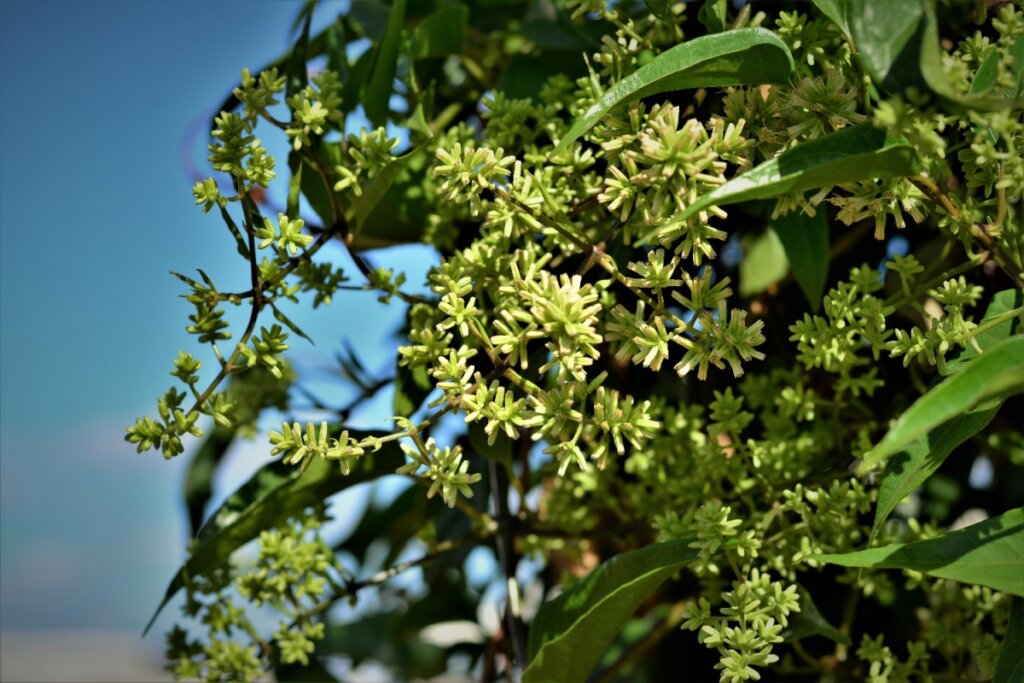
<point x="916" y="462"/>
<point x="858" y="152"/>
<point x="837" y="11"/>
<point x="990" y="553"/>
<point x="1002" y="303"/>
<point x="764" y="263"/>
<point x="287" y="322"/>
<point x="998" y="372"/>
<point x="739" y="57"/>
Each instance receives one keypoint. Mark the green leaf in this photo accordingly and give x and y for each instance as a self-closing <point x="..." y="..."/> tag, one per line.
<point x="198" y="484"/>
<point x="984" y="80"/>
<point x="315" y="188"/>
<point x="635" y="632"/>
<point x="287" y="322"/>
<point x="378" y="90"/>
<point x="334" y="37"/>
<point x="570" y="633"/>
<point x="295" y="165"/>
<point x="990" y="553"/>
<point x="500" y="450"/>
<point x="369" y="17"/>
<point x="739" y="57"/>
<point x="855" y="153"/>
<point x="399" y="216"/>
<point x="396" y="523"/>
<point x="713" y="15"/>
<point x="354" y="89"/>
<point x="1010" y="663"/>
<point x="809" y="622"/>
<point x="805" y="239"/>
<point x="240" y="242"/>
<point x="275" y="493"/>
<point x="985" y="76"/>
<point x="296" y="71"/>
<point x="998" y="372"/>
<point x="525" y="75"/>
<point x="442" y="33"/>
<point x="764" y="263"/>
<point x="838" y="11"/>
<point x="378" y="187"/>
<point x="660" y="8"/>
<point x="412" y="386"/>
<point x="898" y="45"/>
<point x="394" y="636"/>
<point x="1017" y="68"/>
<point x="910" y="468"/>
<point x="548" y="35"/>
<point x="1003" y="302"/>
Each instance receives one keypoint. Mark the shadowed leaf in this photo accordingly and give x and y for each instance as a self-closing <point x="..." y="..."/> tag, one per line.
<point x="898" y="45"/>
<point x="276" y="492"/>
<point x="1010" y="663"/>
<point x="805" y="239"/>
<point x="198" y="485"/>
<point x="570" y="633"/>
<point x="382" y="81"/>
<point x="837" y="11"/>
<point x="810" y="622"/>
<point x="909" y="469"/>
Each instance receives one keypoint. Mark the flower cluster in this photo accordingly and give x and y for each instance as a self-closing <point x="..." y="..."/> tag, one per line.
<point x="613" y="369"/>
<point x="291" y="572"/>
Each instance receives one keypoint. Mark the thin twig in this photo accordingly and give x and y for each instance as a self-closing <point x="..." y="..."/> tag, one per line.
<point x="507" y="556"/>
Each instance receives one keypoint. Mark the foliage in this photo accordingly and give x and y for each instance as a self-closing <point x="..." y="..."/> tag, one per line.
<point x="774" y="478"/>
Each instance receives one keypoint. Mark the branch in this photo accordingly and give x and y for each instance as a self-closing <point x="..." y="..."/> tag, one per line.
<point x="978" y="232"/>
<point x="257" y="303"/>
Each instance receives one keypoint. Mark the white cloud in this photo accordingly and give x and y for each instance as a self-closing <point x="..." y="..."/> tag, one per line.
<point x="77" y="656"/>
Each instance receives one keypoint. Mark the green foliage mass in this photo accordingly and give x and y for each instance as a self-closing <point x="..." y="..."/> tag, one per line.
<point x="697" y="379"/>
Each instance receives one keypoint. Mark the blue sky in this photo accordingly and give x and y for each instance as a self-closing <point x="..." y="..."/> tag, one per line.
<point x="95" y="209"/>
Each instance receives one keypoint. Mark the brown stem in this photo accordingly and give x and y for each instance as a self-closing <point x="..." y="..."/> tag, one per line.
<point x="509" y="560"/>
<point x="978" y="232"/>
